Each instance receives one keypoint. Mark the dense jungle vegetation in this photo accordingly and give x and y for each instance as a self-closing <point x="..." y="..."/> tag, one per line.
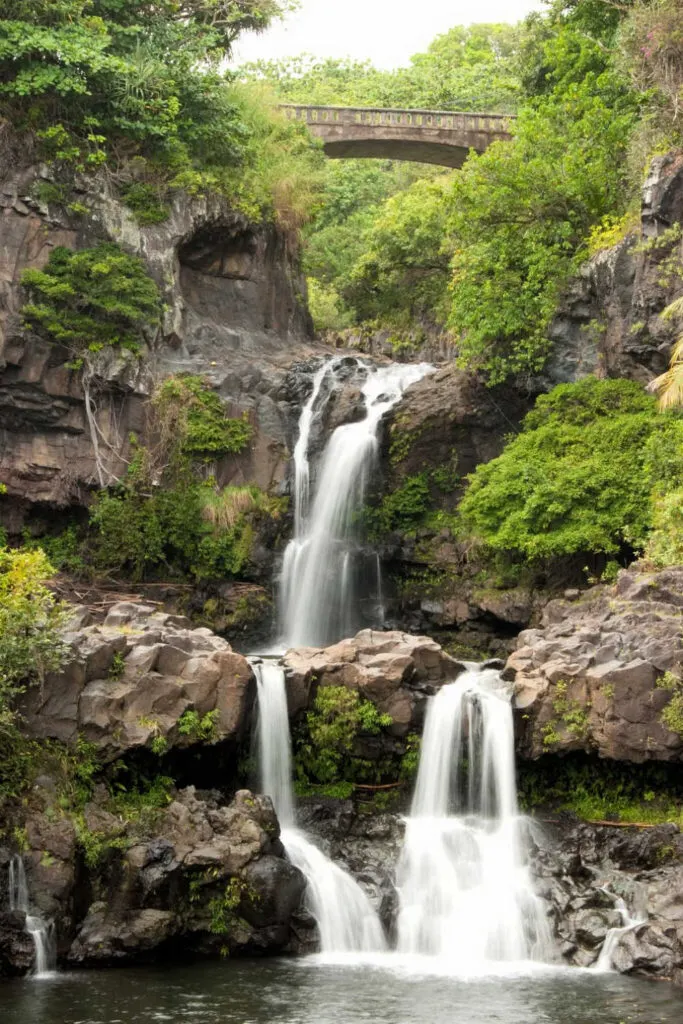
<point x="482" y="253"/>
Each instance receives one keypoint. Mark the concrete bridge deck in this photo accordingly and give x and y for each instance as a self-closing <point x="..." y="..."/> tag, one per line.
<point x="427" y="136"/>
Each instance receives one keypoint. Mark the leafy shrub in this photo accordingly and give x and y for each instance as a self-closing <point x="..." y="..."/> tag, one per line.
<point x="91" y="299"/>
<point x="324" y="753"/>
<point x="401" y="509"/>
<point x="146" y="202"/>
<point x="579" y="478"/>
<point x="665" y="544"/>
<point x="30" y="621"/>
<point x="201" y="728"/>
<point x="193" y="422"/>
<point x="672" y="715"/>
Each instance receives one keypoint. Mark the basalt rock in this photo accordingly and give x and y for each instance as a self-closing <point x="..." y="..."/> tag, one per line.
<point x="582" y="870"/>
<point x="234" y="314"/>
<point x="609" y="320"/>
<point x="588" y="678"/>
<point x="206" y="877"/>
<point x="128" y="682"/>
<point x="396" y="671"/>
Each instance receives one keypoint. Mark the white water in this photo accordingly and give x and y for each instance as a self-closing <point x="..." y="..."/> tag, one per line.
<point x="318" y="601"/>
<point x="605" y="961"/>
<point x="346" y="920"/>
<point x="465" y="891"/>
<point x="40" y="931"/>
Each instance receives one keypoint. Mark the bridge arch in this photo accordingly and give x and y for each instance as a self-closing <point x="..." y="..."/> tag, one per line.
<point x="442" y="137"/>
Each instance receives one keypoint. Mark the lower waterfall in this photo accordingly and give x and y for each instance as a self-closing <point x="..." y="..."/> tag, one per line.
<point x="41" y="932"/>
<point x="465" y="891"/>
<point x="346" y="919"/>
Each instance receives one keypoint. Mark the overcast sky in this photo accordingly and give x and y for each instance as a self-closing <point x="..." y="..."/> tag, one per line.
<point x="386" y="31"/>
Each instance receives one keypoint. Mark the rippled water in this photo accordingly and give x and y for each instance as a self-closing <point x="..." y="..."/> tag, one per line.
<point x="308" y="992"/>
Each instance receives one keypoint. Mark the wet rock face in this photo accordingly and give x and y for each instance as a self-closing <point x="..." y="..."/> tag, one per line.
<point x="587" y="679"/>
<point x="396" y="671"/>
<point x="368" y="846"/>
<point x="206" y="877"/>
<point x="16" y="945"/>
<point x="608" y="322"/>
<point x="581" y="870"/>
<point x="234" y="313"/>
<point x="129" y="681"/>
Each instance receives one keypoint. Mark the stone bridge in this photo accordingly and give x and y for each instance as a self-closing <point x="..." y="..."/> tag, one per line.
<point x="426" y="136"/>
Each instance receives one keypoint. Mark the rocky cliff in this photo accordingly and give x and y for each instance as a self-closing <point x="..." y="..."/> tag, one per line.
<point x="234" y="313"/>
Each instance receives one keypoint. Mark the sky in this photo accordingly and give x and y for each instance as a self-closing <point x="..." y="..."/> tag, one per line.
<point x="387" y="32"/>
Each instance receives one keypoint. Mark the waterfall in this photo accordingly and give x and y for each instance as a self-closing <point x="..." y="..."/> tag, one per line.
<point x="322" y="562"/>
<point x="605" y="961"/>
<point x="40" y="931"/>
<point x="465" y="892"/>
<point x="346" y="919"/>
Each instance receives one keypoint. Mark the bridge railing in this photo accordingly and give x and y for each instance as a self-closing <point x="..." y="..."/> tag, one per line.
<point x="448" y="120"/>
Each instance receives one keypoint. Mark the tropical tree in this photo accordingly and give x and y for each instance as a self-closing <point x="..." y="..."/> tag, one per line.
<point x="669" y="386"/>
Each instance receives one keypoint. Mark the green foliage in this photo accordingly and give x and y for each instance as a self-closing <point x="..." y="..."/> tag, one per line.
<point x="64" y="550"/>
<point x="410" y="761"/>
<point x="570" y="718"/>
<point x="98" y="78"/>
<point x="404" y="266"/>
<point x="224" y="908"/>
<point x="325" y="749"/>
<point x="601" y="790"/>
<point x="520" y="212"/>
<point x="30" y="621"/>
<point x="194" y="417"/>
<point x="147" y="203"/>
<point x="327" y="307"/>
<point x="580" y="476"/>
<point x="672" y="715"/>
<point x="401" y="509"/>
<point x="665" y="544"/>
<point x="138" y="532"/>
<point x="118" y="666"/>
<point x="91" y="299"/>
<point x="187" y="524"/>
<point x="199" y="728"/>
<point x="466" y="68"/>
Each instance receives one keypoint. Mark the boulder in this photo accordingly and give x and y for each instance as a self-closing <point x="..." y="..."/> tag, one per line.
<point x="128" y="681"/>
<point x="396" y="671"/>
<point x="588" y="679"/>
<point x="17" y="952"/>
<point x="204" y="877"/>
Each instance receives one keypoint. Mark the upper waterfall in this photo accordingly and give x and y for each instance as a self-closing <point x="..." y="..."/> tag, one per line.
<point x="323" y="562"/>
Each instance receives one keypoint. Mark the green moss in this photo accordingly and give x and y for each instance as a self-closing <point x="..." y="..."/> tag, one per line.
<point x="401" y="509"/>
<point x="402" y="439"/>
<point x="571" y="718"/>
<point x="672" y="715"/>
<point x="147" y="203"/>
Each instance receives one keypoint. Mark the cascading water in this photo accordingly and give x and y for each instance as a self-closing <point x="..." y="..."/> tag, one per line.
<point x="40" y="931"/>
<point x="346" y="920"/>
<point x="465" y="892"/>
<point x="605" y="961"/>
<point x="318" y="598"/>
